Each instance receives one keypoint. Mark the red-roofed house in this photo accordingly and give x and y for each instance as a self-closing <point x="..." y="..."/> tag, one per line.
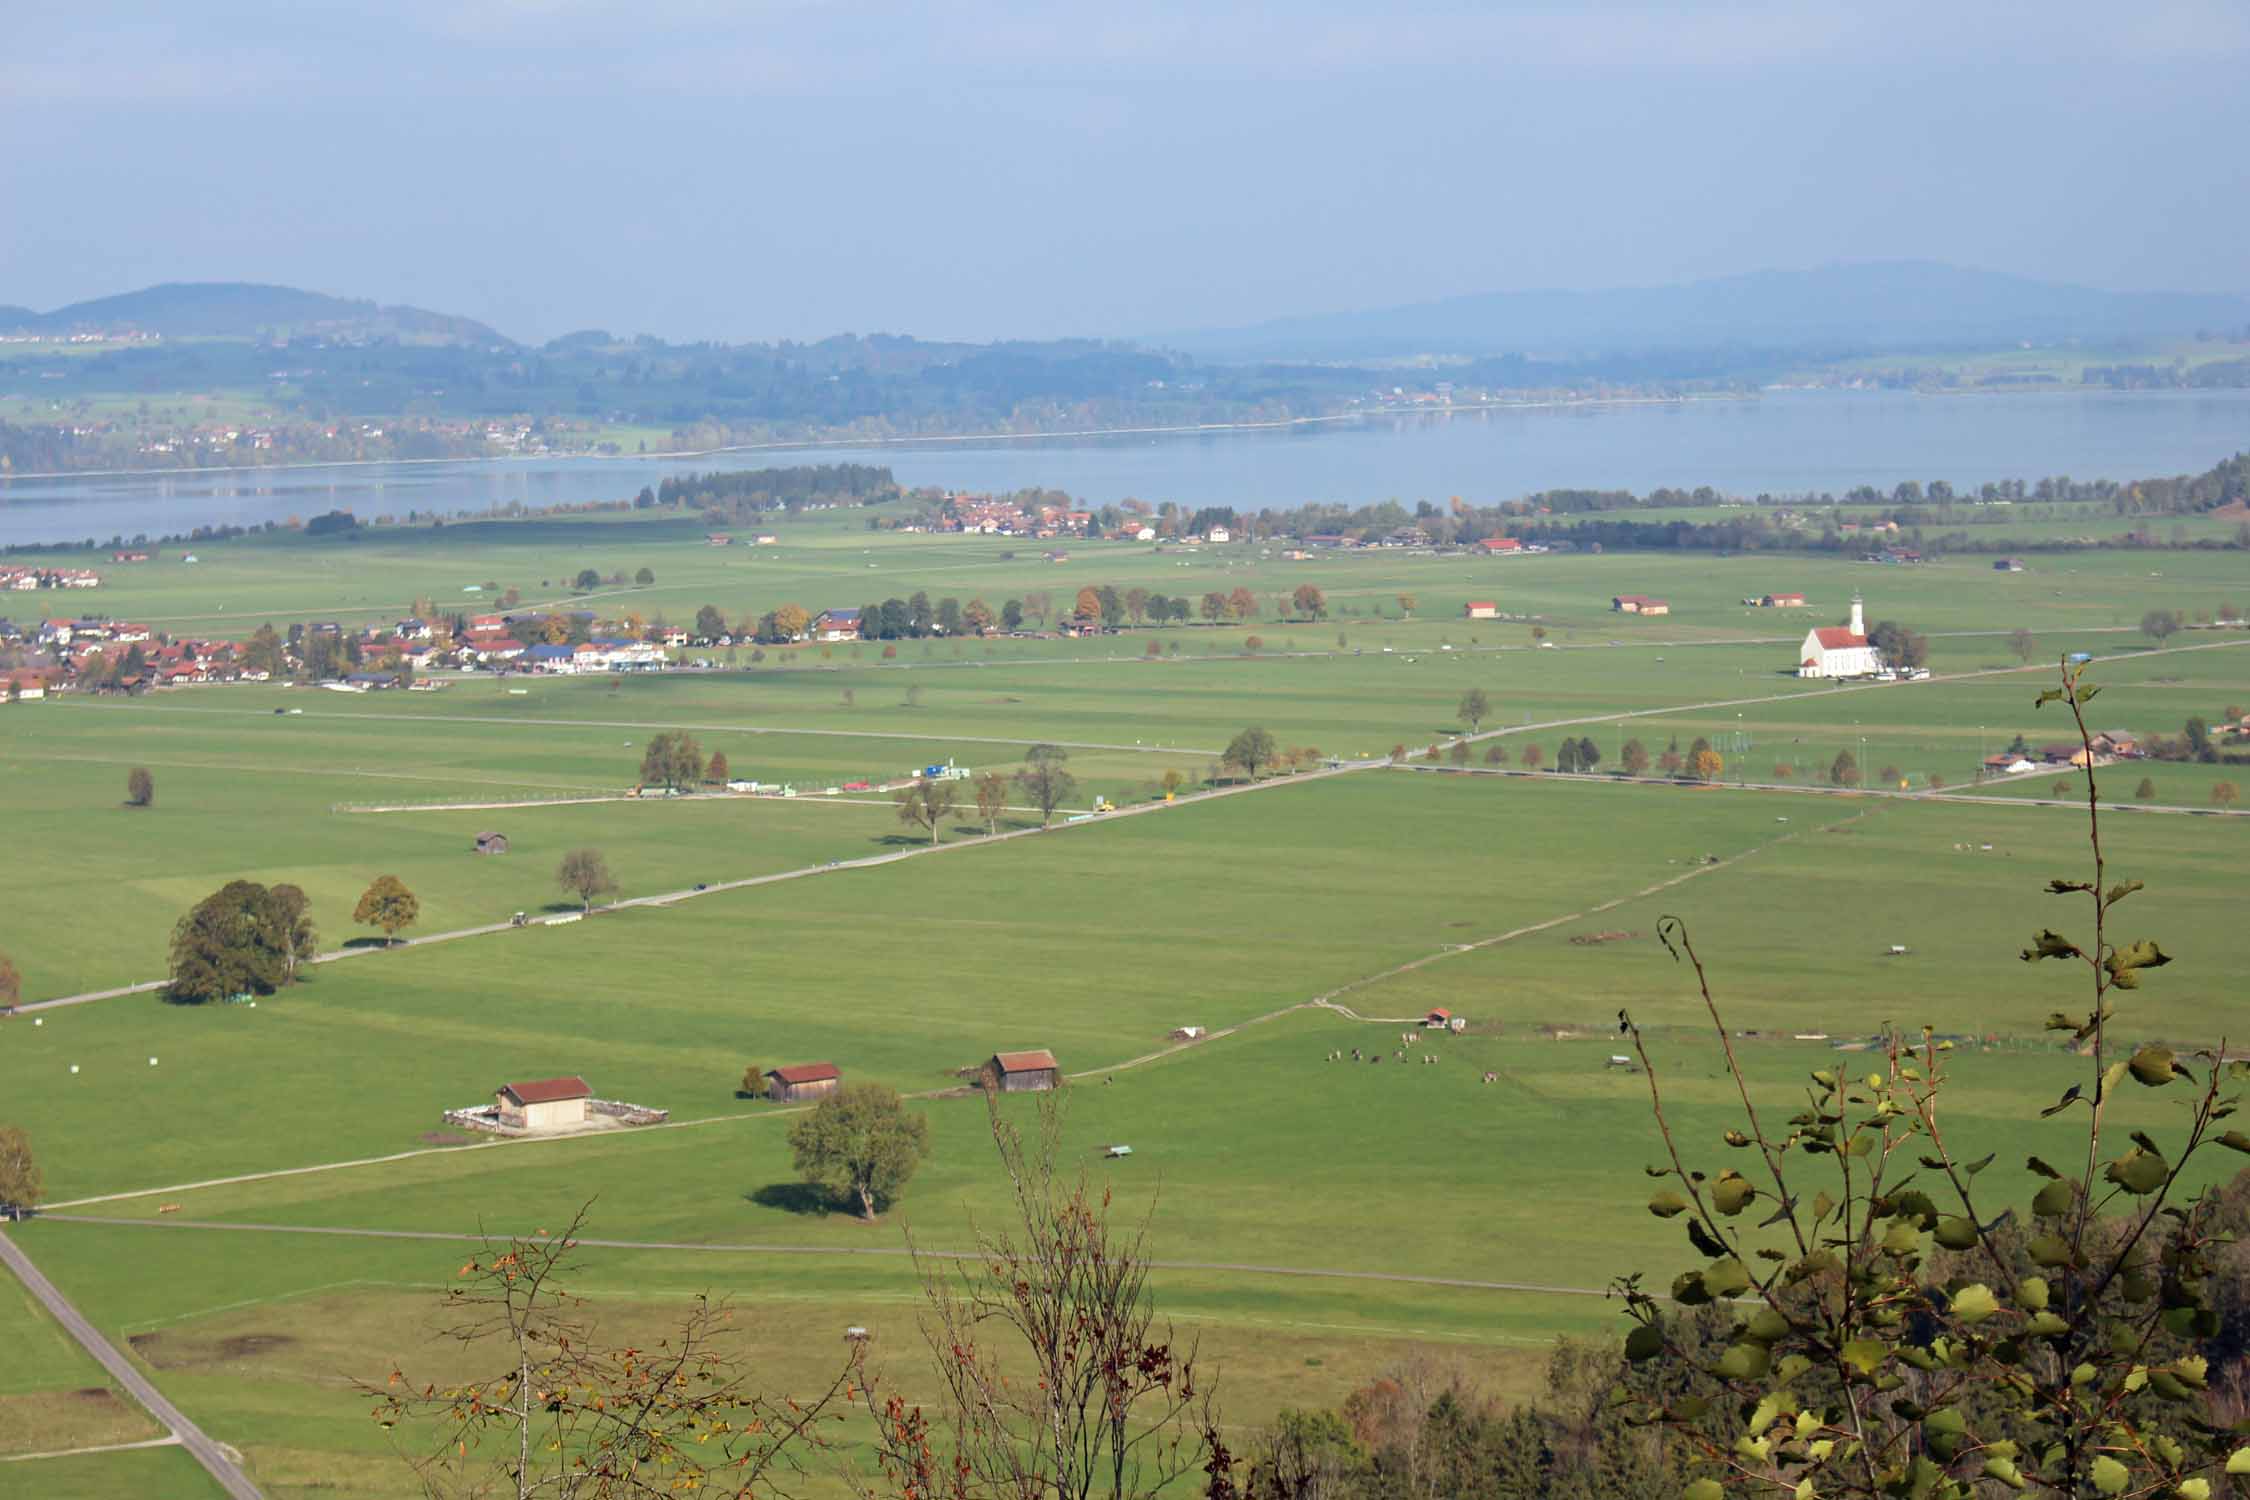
<point x="1482" y="609"/>
<point x="1639" y="604"/>
<point x="1494" y="545"/>
<point x="801" y="1081"/>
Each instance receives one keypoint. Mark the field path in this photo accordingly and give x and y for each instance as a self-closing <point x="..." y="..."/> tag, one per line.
<point x="888" y="1252"/>
<point x="162" y="1442"/>
<point x="193" y="1438"/>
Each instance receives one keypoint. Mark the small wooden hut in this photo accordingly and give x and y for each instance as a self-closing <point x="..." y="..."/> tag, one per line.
<point x="802" y="1081"/>
<point x="492" y="843"/>
<point x="1025" y="1072"/>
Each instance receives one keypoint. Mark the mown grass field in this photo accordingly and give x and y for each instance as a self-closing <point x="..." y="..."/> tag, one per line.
<point x="1256" y="1156"/>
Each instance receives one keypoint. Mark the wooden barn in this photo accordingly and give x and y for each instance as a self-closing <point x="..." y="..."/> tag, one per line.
<point x="802" y="1081"/>
<point x="545" y="1103"/>
<point x="492" y="843"/>
<point x="1025" y="1072"/>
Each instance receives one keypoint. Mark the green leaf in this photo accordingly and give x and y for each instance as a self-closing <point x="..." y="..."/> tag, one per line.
<point x="2049" y="1250"/>
<point x="2003" y="1470"/>
<point x="2120" y="891"/>
<point x="2034" y="1164"/>
<point x="2110" y="1476"/>
<point x="1974" y="1303"/>
<point x="2031" y="1294"/>
<point x="1863" y="1355"/>
<point x="1689" y="1291"/>
<point x="1704" y="1241"/>
<point x="1726" y="1278"/>
<point x="2194" y="1489"/>
<point x="1745" y="1362"/>
<point x="2086" y="694"/>
<point x="1703" y="1489"/>
<point x="1644" y="1343"/>
<point x="1956" y="1234"/>
<point x="2046" y="1325"/>
<point x="1666" y="1204"/>
<point x="2052" y="695"/>
<point x="2238" y="1462"/>
<point x="2051" y="944"/>
<point x="2055" y="1198"/>
<point x="1737" y="1138"/>
<point x="1688" y="1409"/>
<point x="2235" y="1140"/>
<point x="2070" y="1097"/>
<point x="1731" y="1194"/>
<point x="2139" y="1172"/>
<point x="1766" y="1327"/>
<point x="2152" y="1066"/>
<point x="2124" y="964"/>
<point x="1901" y="1238"/>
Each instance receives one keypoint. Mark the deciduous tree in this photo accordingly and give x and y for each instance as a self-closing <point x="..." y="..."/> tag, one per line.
<point x="992" y="799"/>
<point x="2160" y="625"/>
<point x="1844" y="769"/>
<point x="1046" y="780"/>
<point x="861" y="1143"/>
<point x="1310" y="602"/>
<point x="22" y="1184"/>
<point x="291" y="914"/>
<point x="1475" y="708"/>
<point x="387" y="904"/>
<point x="2023" y="643"/>
<point x="1251" y="750"/>
<point x="2224" y="793"/>
<point x="672" y="759"/>
<point x="716" y="771"/>
<point x="926" y="804"/>
<point x="1707" y="765"/>
<point x="1533" y="757"/>
<point x="140" y="788"/>
<point x="11" y="983"/>
<point x="710" y="624"/>
<point x="1633" y="758"/>
<point x="2146" y="791"/>
<point x="585" y="874"/>
<point x="232" y="942"/>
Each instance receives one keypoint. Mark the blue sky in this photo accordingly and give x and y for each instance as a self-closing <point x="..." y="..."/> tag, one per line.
<point x="984" y="168"/>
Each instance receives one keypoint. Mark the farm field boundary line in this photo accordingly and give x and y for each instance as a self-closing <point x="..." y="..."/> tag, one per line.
<point x="888" y="1252"/>
<point x="1804" y="789"/>
<point x="197" y="1442"/>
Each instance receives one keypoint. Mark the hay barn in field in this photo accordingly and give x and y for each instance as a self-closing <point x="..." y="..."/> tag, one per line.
<point x="802" y="1081"/>
<point x="1025" y="1072"/>
<point x="545" y="1103"/>
<point x="492" y="843"/>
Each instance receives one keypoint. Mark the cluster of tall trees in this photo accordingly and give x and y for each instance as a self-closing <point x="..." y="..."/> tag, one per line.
<point x="752" y="492"/>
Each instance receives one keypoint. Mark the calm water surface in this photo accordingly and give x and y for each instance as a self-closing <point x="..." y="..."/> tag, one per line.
<point x="1780" y="443"/>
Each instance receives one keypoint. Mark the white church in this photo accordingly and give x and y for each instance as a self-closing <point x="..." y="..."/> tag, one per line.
<point x="1839" y="650"/>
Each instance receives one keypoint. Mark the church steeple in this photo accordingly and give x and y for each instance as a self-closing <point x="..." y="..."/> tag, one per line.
<point x="1859" y="620"/>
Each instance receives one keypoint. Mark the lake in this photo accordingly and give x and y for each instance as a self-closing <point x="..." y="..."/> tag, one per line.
<point x="1780" y="443"/>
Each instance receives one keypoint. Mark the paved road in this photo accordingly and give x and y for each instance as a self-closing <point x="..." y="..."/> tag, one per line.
<point x="895" y="1252"/>
<point x="193" y="1438"/>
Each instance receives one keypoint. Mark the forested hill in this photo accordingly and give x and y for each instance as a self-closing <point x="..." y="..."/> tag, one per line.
<point x="1889" y="305"/>
<point x="240" y="309"/>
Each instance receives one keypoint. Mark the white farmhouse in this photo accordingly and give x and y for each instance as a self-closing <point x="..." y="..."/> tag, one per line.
<point x="1839" y="650"/>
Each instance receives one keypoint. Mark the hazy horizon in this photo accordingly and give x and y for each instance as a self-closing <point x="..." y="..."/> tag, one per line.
<point x="695" y="170"/>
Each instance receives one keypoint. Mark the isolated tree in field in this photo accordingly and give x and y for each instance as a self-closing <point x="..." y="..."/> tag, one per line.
<point x="232" y="942"/>
<point x="1633" y="758"/>
<point x="1888" y="776"/>
<point x="2146" y="791"/>
<point x="587" y="581"/>
<point x="1214" y="607"/>
<point x="1707" y="765"/>
<point x="1538" y="633"/>
<point x="1844" y="769"/>
<point x="644" y="577"/>
<point x="672" y="759"/>
<point x="1566" y="756"/>
<point x="22" y="1184"/>
<point x="140" y="788"/>
<point x="1431" y="754"/>
<point x="2224" y="793"/>
<point x="1252" y="645"/>
<point x="1475" y="708"/>
<point x="585" y="874"/>
<point x="2022" y="642"/>
<point x="564" y="1413"/>
<point x="991" y="790"/>
<point x="1251" y="750"/>
<point x="1406" y="603"/>
<point x="1459" y="754"/>
<point x="1046" y="780"/>
<point x="1533" y="757"/>
<point x="861" y="1143"/>
<point x="716" y="771"/>
<point x="2160" y="625"/>
<point x="1171" y="781"/>
<point x="2059" y="787"/>
<point x="1937" y="781"/>
<point x="1242" y="604"/>
<point x="387" y="904"/>
<point x="290" y="912"/>
<point x="925" y="805"/>
<point x="1497" y="755"/>
<point x="710" y="624"/>
<point x="1783" y="771"/>
<point x="1310" y="602"/>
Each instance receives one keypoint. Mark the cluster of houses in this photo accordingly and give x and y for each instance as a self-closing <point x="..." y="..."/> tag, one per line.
<point x="2109" y="747"/>
<point x="20" y="578"/>
<point x="1638" y="604"/>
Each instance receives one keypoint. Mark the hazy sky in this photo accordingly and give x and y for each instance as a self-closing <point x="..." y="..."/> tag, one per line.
<point x="980" y="168"/>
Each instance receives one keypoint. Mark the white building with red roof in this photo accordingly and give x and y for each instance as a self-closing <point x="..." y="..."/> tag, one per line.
<point x="1839" y="650"/>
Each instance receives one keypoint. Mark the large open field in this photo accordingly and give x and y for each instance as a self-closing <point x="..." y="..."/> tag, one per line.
<point x="262" y="1205"/>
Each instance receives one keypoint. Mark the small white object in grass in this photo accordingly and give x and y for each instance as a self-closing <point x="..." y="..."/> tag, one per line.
<point x="74" y="1067"/>
<point x="38" y="1020"/>
<point x="152" y="1062"/>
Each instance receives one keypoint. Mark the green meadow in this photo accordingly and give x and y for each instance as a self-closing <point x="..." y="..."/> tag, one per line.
<point x="226" y="1183"/>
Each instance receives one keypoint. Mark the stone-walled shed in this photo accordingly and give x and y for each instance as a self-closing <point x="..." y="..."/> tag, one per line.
<point x="545" y="1103"/>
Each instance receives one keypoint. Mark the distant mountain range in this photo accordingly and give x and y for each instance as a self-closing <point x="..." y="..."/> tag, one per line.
<point x="1885" y="305"/>
<point x="240" y="309"/>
